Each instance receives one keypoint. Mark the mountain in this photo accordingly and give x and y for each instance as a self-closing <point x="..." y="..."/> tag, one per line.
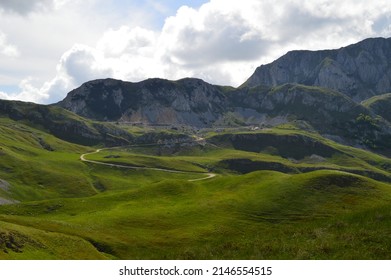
<point x="381" y="105"/>
<point x="188" y="170"/>
<point x="195" y="103"/>
<point x="64" y="124"/>
<point x="153" y="101"/>
<point x="360" y="70"/>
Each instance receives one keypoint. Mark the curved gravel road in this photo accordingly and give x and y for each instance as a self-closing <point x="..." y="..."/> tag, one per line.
<point x="82" y="158"/>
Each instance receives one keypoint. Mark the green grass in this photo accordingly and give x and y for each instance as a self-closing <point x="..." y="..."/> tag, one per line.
<point x="74" y="210"/>
<point x="36" y="171"/>
<point x="259" y="215"/>
<point x="369" y="102"/>
<point x="380" y="105"/>
<point x="126" y="157"/>
<point x="21" y="242"/>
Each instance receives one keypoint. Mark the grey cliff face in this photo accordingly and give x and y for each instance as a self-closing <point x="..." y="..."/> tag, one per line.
<point x="360" y="71"/>
<point x="315" y="105"/>
<point x="157" y="101"/>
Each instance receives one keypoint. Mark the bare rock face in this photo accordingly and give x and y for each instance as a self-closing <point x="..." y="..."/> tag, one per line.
<point x="157" y="101"/>
<point x="360" y="71"/>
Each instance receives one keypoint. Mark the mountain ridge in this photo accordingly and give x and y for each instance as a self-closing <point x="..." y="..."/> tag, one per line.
<point x="268" y="98"/>
<point x="149" y="101"/>
<point x="198" y="104"/>
<point x="359" y="70"/>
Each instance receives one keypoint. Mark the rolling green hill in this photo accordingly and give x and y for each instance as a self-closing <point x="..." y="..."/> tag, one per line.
<point x="324" y="201"/>
<point x="188" y="170"/>
<point x="266" y="214"/>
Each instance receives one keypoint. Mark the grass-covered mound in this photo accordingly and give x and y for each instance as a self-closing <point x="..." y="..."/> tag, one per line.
<point x="265" y="214"/>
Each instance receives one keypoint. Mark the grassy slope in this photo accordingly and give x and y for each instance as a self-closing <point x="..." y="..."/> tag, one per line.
<point x="376" y="98"/>
<point x="380" y="105"/>
<point x="259" y="215"/>
<point x="76" y="210"/>
<point x="39" y="165"/>
<point x="21" y="242"/>
<point x="201" y="159"/>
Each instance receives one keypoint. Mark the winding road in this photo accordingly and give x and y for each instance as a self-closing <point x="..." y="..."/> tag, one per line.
<point x="82" y="158"/>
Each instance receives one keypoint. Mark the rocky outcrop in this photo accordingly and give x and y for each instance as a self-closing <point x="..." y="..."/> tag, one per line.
<point x="195" y="103"/>
<point x="292" y="99"/>
<point x="360" y="71"/>
<point x="153" y="101"/>
<point x="312" y="108"/>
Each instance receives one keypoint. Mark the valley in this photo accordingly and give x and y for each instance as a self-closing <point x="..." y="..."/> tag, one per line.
<point x="148" y="202"/>
<point x="277" y="168"/>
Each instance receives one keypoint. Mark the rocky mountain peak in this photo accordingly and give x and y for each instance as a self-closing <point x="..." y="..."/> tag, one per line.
<point x="321" y="90"/>
<point x="158" y="101"/>
<point x="360" y="70"/>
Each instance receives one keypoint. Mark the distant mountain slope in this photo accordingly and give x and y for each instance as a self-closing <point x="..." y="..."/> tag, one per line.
<point x="156" y="101"/>
<point x="325" y="111"/>
<point x="380" y="105"/>
<point x="322" y="90"/>
<point x="192" y="102"/>
<point x="360" y="71"/>
<point x="64" y="124"/>
<point x="196" y="103"/>
<point x="304" y="102"/>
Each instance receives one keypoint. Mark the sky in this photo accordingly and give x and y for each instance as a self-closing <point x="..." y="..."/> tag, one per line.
<point x="49" y="47"/>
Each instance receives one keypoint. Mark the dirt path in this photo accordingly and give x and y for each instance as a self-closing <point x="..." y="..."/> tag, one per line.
<point x="82" y="158"/>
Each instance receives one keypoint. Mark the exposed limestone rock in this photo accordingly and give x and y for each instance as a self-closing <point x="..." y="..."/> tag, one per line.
<point x="360" y="71"/>
<point x="157" y="101"/>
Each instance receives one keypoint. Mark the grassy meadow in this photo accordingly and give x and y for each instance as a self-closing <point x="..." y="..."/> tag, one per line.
<point x="260" y="205"/>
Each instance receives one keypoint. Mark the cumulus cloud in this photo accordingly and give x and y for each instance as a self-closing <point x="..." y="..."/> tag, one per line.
<point x="6" y="48"/>
<point x="127" y="40"/>
<point x="82" y="63"/>
<point x="78" y="65"/>
<point x="27" y="92"/>
<point x="196" y="38"/>
<point x="222" y="42"/>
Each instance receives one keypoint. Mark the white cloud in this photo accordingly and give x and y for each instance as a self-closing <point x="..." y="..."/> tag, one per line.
<point x="127" y="40"/>
<point x="6" y="48"/>
<point x="222" y="42"/>
<point x="82" y="63"/>
<point x="197" y="38"/>
<point x="27" y="92"/>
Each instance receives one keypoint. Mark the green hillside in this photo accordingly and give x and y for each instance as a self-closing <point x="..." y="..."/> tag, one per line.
<point x="325" y="201"/>
<point x="293" y="164"/>
<point x="380" y="104"/>
<point x="266" y="214"/>
<point x="37" y="165"/>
